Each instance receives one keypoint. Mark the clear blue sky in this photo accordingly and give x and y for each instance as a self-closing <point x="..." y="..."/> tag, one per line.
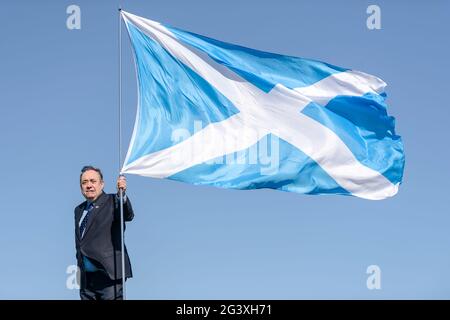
<point x="59" y="112"/>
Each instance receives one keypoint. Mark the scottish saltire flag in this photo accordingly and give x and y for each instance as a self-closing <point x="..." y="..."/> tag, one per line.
<point x="214" y="113"/>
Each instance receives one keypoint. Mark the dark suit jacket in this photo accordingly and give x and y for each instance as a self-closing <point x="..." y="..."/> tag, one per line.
<point x="102" y="241"/>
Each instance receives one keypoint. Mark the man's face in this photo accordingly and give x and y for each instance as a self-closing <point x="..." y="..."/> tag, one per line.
<point x="91" y="185"/>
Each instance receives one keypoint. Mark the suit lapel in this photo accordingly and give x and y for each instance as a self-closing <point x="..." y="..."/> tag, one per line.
<point x="97" y="207"/>
<point x="78" y="215"/>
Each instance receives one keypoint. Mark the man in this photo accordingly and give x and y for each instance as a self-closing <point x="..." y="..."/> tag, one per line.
<point x="98" y="238"/>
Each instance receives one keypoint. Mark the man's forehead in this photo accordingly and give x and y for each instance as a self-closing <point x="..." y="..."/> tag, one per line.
<point x="90" y="174"/>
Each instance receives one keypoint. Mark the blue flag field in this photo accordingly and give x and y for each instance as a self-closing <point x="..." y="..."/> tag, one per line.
<point x="214" y="113"/>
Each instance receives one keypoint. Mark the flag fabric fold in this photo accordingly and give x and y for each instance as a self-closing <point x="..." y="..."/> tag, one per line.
<point x="214" y="113"/>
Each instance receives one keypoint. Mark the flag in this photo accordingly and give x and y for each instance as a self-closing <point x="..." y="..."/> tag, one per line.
<point x="215" y="113"/>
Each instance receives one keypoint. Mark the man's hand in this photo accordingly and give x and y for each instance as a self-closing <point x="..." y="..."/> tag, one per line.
<point x="121" y="183"/>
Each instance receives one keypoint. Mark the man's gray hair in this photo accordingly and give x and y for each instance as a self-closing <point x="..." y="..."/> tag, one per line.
<point x="87" y="168"/>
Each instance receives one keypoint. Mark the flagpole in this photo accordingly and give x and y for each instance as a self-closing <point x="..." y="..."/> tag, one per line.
<point x="120" y="155"/>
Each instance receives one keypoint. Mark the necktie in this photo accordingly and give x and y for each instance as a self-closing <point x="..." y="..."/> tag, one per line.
<point x="89" y="207"/>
